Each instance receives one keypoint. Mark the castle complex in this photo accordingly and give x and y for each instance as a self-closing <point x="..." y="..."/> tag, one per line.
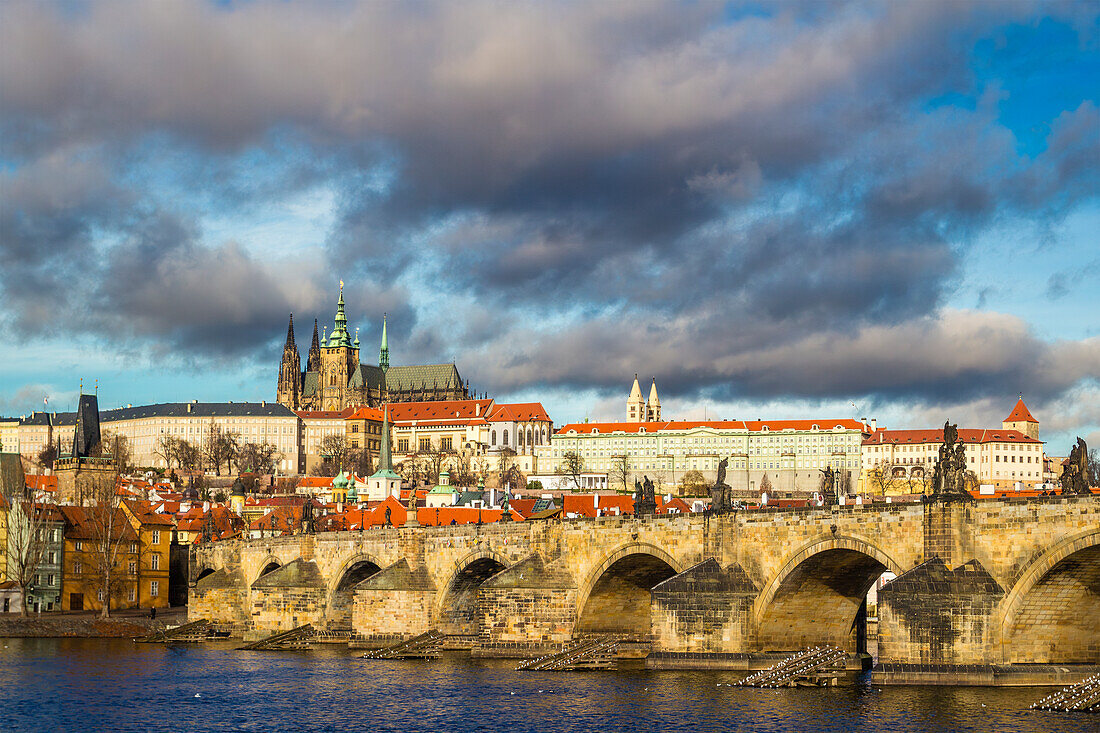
<point x="335" y="379"/>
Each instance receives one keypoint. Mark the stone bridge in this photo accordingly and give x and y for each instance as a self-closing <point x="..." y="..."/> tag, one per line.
<point x="992" y="583"/>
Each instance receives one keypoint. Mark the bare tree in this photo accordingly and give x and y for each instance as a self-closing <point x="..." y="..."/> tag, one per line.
<point x="188" y="456"/>
<point x="572" y="464"/>
<point x="116" y="447"/>
<point x="108" y="530"/>
<point x="692" y="483"/>
<point x="620" y="471"/>
<point x="336" y="453"/>
<point x="220" y="447"/>
<point x="26" y="527"/>
<point x="462" y="473"/>
<point x="257" y="457"/>
<point x="434" y="459"/>
<point x="765" y="484"/>
<point x="1093" y="477"/>
<point x="167" y="449"/>
<point x="412" y="469"/>
<point x="47" y="456"/>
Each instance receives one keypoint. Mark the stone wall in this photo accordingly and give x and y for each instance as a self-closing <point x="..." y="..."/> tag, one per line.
<point x="396" y="602"/>
<point x="527" y="608"/>
<point x="704" y="610"/>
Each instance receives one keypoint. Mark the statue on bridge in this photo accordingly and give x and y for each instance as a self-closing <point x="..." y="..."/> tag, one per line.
<point x="208" y="526"/>
<point x="307" y="516"/>
<point x="1075" y="471"/>
<point x="721" y="495"/>
<point x="828" y="486"/>
<point x="645" y="499"/>
<point x="950" y="474"/>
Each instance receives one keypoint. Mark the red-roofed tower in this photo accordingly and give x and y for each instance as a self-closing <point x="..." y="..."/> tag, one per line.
<point x="1021" y="419"/>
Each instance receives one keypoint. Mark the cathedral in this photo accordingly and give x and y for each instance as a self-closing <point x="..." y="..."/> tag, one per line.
<point x="334" y="378"/>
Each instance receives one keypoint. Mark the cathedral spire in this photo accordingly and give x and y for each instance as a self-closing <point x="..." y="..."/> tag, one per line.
<point x="384" y="351"/>
<point x="313" y="361"/>
<point x="339" y="335"/>
<point x="290" y="332"/>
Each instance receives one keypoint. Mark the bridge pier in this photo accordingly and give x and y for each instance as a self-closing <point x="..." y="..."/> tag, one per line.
<point x="996" y="585"/>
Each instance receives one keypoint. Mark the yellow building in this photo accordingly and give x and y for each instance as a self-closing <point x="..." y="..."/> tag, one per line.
<point x="154" y="537"/>
<point x="82" y="573"/>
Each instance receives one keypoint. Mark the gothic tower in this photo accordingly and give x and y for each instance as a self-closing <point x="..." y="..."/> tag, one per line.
<point x="339" y="359"/>
<point x="635" y="405"/>
<point x="653" y="404"/>
<point x="313" y="361"/>
<point x="289" y="390"/>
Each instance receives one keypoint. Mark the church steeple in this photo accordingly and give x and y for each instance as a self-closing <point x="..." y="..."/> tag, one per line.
<point x="653" y="404"/>
<point x="384" y="351"/>
<point x="313" y="362"/>
<point x="339" y="335"/>
<point x="635" y="405"/>
<point x="289" y="390"/>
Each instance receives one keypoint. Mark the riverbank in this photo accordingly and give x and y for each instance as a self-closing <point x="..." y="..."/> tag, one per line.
<point x="121" y="625"/>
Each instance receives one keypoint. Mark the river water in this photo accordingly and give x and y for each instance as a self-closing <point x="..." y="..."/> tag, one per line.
<point x="110" y="685"/>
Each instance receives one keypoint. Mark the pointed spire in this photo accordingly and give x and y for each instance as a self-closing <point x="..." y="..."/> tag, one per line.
<point x="636" y="390"/>
<point x="290" y="332"/>
<point x="340" y="326"/>
<point x="653" y="399"/>
<point x="385" y="460"/>
<point x="356" y="342"/>
<point x="313" y="361"/>
<point x="384" y="351"/>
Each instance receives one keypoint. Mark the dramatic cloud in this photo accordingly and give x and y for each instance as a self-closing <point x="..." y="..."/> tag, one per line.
<point x="744" y="201"/>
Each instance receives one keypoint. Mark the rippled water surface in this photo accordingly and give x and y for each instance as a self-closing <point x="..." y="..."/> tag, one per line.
<point x="104" y="685"/>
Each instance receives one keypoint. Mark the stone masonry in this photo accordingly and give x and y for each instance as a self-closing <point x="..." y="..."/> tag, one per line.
<point x="975" y="581"/>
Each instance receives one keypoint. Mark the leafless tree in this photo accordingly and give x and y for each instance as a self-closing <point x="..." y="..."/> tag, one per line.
<point x="47" y="456"/>
<point x="116" y="447"/>
<point x="462" y="473"/>
<point x="620" y="471"/>
<point x="220" y="447"/>
<point x="572" y="465"/>
<point x="692" y="483"/>
<point x="412" y="469"/>
<point x="765" y="484"/>
<point x="167" y="449"/>
<point x="337" y="454"/>
<point x="257" y="457"/>
<point x="434" y="460"/>
<point x="1093" y="477"/>
<point x="26" y="535"/>
<point x="109" y="531"/>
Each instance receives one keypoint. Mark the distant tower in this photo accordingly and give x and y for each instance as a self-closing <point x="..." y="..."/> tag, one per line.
<point x="635" y="405"/>
<point x="313" y="361"/>
<point x="339" y="359"/>
<point x="653" y="405"/>
<point x="384" y="351"/>
<point x="1021" y="419"/>
<point x="289" y="390"/>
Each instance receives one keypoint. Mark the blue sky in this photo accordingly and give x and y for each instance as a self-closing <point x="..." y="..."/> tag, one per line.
<point x="849" y="209"/>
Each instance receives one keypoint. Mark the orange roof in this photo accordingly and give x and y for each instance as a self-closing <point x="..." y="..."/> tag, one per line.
<point x="935" y="435"/>
<point x="1020" y="413"/>
<point x="447" y="411"/>
<point x="680" y="425"/>
<point x="323" y="414"/>
<point x="37" y="482"/>
<point x="519" y="412"/>
<point x="586" y="504"/>
<point x="366" y="413"/>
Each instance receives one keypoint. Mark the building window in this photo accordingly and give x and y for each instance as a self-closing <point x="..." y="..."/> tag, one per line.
<point x="155" y="561"/>
<point x="494" y="438"/>
<point x="425" y="444"/>
<point x="505" y="438"/>
<point x="133" y="548"/>
<point x="99" y="596"/>
<point x="403" y="445"/>
<point x="49" y="579"/>
<point x="132" y="568"/>
<point x="446" y="444"/>
<point x="78" y="568"/>
<point x="156" y="536"/>
<point x="355" y="428"/>
<point x="78" y="546"/>
<point x="131" y="594"/>
<point x="154" y="588"/>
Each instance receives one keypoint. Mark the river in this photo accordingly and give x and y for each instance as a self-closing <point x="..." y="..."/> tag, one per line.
<point x="111" y="685"/>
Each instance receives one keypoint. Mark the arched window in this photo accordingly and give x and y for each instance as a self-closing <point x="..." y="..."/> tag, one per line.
<point x="505" y="438"/>
<point x="529" y="443"/>
<point x="519" y="438"/>
<point x="494" y="437"/>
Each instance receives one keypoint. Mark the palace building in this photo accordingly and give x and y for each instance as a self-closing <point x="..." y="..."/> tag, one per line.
<point x="335" y="379"/>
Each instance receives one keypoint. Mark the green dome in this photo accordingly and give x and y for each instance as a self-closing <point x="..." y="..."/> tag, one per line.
<point x="353" y="495"/>
<point x="238" y="488"/>
<point x="340" y="482"/>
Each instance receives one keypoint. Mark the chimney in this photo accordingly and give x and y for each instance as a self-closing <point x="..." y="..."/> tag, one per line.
<point x="874" y="424"/>
<point x="189" y="405"/>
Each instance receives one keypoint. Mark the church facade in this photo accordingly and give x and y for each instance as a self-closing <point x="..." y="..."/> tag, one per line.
<point x="334" y="378"/>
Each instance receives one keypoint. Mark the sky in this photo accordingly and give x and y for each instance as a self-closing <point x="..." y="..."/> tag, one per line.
<point x="836" y="209"/>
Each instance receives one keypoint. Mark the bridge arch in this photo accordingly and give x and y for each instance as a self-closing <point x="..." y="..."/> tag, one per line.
<point x="204" y="572"/>
<point x="355" y="570"/>
<point x="816" y="596"/>
<point x="615" y="597"/>
<point x="1049" y="616"/>
<point x="268" y="565"/>
<point x="456" y="608"/>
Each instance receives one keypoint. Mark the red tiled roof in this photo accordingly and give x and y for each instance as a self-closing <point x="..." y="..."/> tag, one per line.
<point x="935" y="435"/>
<point x="37" y="482"/>
<point x="324" y="414"/>
<point x="750" y="425"/>
<point x="586" y="504"/>
<point x="366" y="413"/>
<point x="1020" y="413"/>
<point x="447" y="411"/>
<point x="519" y="412"/>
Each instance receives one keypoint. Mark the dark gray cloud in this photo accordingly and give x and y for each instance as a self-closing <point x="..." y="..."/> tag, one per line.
<point x="557" y="193"/>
